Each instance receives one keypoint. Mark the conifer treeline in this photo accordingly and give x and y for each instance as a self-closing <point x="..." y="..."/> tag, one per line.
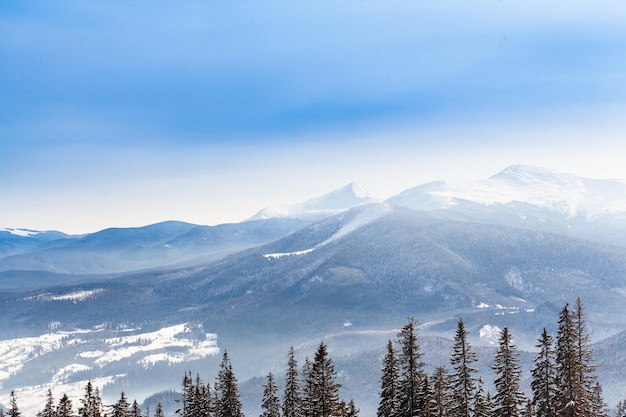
<point x="563" y="384"/>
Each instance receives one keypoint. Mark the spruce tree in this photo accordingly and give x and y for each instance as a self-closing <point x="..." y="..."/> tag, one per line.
<point x="427" y="399"/>
<point x="351" y="409"/>
<point x="270" y="403"/>
<point x="48" y="410"/>
<point x="441" y="386"/>
<point x="543" y="382"/>
<point x="322" y="388"/>
<point x="482" y="403"/>
<point x="462" y="380"/>
<point x="509" y="398"/>
<point x="291" y="395"/>
<point x="158" y="411"/>
<point x="64" y="408"/>
<point x="306" y="406"/>
<point x="135" y="410"/>
<point x="411" y="371"/>
<point x="569" y="398"/>
<point x="121" y="408"/>
<point x="91" y="402"/>
<point x="13" y="410"/>
<point x="592" y="403"/>
<point x="388" y="405"/>
<point x="228" y="402"/>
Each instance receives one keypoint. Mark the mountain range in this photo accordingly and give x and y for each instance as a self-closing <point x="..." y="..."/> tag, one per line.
<point x="346" y="267"/>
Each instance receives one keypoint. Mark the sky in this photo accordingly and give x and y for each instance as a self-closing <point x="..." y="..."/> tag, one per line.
<point x="120" y="114"/>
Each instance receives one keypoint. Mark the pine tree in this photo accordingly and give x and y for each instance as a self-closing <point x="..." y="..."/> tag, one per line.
<point x="592" y="403"/>
<point x="91" y="402"/>
<point x="529" y="410"/>
<point x="135" y="410"/>
<point x="509" y="398"/>
<point x="48" y="410"/>
<point x="543" y="382"/>
<point x="291" y="395"/>
<point x="188" y="395"/>
<point x="599" y="407"/>
<point x="158" y="411"/>
<point x="570" y="390"/>
<point x="271" y="403"/>
<point x="306" y="406"/>
<point x="411" y="371"/>
<point x="482" y="403"/>
<point x="228" y="402"/>
<point x="322" y="389"/>
<point x="13" y="410"/>
<point x="427" y="399"/>
<point x="441" y="386"/>
<point x="462" y="380"/>
<point x="388" y="405"/>
<point x="121" y="408"/>
<point x="351" y="410"/>
<point x="64" y="408"/>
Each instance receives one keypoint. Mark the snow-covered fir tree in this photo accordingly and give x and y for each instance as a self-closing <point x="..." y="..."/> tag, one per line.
<point x="411" y="370"/>
<point x="14" y="410"/>
<point x="91" y="402"/>
<point x="483" y="406"/>
<point x="509" y="398"/>
<point x="291" y="395"/>
<point x="441" y="385"/>
<point x="121" y="408"/>
<point x="462" y="380"/>
<point x="322" y="389"/>
<point x="543" y="382"/>
<point x="270" y="403"/>
<point x="135" y="410"/>
<point x="64" y="408"/>
<point x="388" y="404"/>
<point x="158" y="411"/>
<point x="227" y="389"/>
<point x="48" y="409"/>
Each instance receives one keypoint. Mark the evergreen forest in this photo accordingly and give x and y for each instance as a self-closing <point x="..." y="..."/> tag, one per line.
<point x="563" y="384"/>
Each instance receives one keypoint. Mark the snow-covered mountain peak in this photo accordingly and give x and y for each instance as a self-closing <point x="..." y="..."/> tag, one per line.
<point x="352" y="195"/>
<point x="562" y="192"/>
<point x="527" y="175"/>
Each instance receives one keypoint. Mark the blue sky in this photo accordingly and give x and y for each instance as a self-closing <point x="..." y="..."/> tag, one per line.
<point x="127" y="113"/>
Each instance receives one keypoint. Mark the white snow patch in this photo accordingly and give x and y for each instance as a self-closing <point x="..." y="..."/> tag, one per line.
<point x="77" y="295"/>
<point x="90" y="354"/>
<point x="490" y="334"/>
<point x="280" y="255"/>
<point x="64" y="373"/>
<point x="483" y="305"/>
<point x="165" y="338"/>
<point x="21" y="232"/>
<point x="16" y="352"/>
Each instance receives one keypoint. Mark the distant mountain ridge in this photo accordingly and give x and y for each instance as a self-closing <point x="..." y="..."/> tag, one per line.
<point x="343" y="267"/>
